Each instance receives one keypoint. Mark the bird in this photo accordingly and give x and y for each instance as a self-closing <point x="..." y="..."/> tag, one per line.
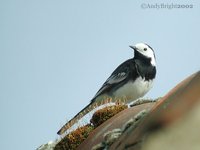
<point x="130" y="80"/>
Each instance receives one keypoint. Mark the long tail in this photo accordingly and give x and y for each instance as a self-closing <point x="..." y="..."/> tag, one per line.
<point x="78" y="116"/>
<point x="93" y="104"/>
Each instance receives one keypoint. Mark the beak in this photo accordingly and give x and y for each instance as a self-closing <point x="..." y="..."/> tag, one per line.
<point x="133" y="47"/>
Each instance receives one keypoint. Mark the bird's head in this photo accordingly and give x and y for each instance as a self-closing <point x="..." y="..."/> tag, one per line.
<point x="145" y="50"/>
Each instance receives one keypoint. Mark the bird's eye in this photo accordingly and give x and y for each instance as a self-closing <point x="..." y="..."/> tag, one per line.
<point x="145" y="49"/>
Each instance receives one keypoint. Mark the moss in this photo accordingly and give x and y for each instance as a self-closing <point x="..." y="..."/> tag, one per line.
<point x="74" y="139"/>
<point x="104" y="114"/>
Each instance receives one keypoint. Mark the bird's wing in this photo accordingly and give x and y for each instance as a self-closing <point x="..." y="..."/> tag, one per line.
<point x="120" y="74"/>
<point x="112" y="80"/>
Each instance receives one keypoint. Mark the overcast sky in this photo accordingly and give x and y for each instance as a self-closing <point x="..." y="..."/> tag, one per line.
<point x="56" y="54"/>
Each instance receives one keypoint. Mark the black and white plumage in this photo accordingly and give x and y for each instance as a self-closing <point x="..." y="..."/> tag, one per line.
<point x="131" y="80"/>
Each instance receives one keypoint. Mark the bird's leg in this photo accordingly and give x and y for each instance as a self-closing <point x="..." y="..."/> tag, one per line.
<point x="118" y="101"/>
<point x="124" y="99"/>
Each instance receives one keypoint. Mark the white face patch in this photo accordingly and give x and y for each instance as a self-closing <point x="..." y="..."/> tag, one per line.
<point x="134" y="89"/>
<point x="146" y="51"/>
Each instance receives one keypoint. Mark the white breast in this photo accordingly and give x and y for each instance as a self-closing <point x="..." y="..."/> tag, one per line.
<point x="134" y="90"/>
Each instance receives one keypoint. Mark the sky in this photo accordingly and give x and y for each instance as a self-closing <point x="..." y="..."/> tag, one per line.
<point x="56" y="54"/>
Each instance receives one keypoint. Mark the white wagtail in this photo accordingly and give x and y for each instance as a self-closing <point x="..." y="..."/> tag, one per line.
<point x="131" y="80"/>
